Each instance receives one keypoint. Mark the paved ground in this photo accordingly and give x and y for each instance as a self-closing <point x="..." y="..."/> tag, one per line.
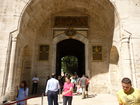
<point x="99" y="99"/>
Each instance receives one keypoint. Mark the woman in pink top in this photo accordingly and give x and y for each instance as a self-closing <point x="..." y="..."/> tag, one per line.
<point x="67" y="91"/>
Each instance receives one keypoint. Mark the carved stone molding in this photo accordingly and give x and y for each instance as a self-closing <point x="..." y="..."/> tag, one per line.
<point x="70" y="32"/>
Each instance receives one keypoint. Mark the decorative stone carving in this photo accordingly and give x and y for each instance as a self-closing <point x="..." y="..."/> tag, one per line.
<point x="70" y="32"/>
<point x="71" y="21"/>
<point x="97" y="53"/>
<point x="44" y="52"/>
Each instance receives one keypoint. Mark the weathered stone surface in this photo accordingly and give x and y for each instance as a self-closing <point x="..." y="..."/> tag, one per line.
<point x="113" y="24"/>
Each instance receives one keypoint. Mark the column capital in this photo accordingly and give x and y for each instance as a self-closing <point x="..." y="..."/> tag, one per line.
<point x="125" y="36"/>
<point x="14" y="35"/>
<point x="14" y="39"/>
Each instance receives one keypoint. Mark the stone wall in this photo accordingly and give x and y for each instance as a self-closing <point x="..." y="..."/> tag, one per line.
<point x="113" y="24"/>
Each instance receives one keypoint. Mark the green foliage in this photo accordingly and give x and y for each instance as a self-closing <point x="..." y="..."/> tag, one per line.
<point x="69" y="64"/>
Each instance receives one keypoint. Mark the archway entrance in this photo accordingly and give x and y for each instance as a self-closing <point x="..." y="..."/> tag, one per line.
<point x="71" y="54"/>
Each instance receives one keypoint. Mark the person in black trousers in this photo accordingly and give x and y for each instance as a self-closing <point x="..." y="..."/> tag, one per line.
<point x="52" y="90"/>
<point x="35" y="81"/>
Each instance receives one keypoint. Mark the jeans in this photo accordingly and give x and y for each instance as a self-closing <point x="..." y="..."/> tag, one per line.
<point x="21" y="104"/>
<point x="67" y="99"/>
<point x="52" y="98"/>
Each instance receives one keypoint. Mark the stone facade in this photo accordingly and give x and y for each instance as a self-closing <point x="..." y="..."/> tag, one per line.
<point x="27" y="24"/>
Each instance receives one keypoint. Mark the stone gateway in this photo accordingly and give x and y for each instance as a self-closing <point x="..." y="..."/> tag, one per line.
<point x="37" y="36"/>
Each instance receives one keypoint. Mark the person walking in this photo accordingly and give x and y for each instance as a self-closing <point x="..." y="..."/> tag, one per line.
<point x="87" y="85"/>
<point x="83" y="83"/>
<point x="35" y="81"/>
<point x="73" y="80"/>
<point x="67" y="92"/>
<point x="52" y="90"/>
<point x="22" y="93"/>
<point x="128" y="95"/>
<point x="60" y="83"/>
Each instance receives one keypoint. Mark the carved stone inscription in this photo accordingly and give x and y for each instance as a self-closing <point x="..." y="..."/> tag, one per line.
<point x="44" y="52"/>
<point x="97" y="53"/>
<point x="71" y="21"/>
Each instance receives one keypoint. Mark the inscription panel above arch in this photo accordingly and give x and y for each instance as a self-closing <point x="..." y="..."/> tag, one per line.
<point x="71" y="21"/>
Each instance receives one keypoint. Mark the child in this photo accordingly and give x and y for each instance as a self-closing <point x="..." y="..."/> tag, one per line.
<point x="22" y="93"/>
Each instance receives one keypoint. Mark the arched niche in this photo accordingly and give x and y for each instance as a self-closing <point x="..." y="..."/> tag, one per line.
<point x="26" y="65"/>
<point x="114" y="55"/>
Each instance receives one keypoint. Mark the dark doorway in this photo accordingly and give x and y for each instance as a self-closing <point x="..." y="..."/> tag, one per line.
<point x="67" y="52"/>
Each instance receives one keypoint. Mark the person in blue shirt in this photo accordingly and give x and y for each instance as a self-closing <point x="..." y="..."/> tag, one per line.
<point x="52" y="90"/>
<point x="22" y="93"/>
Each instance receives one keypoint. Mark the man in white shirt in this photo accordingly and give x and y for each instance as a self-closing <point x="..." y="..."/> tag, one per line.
<point x="52" y="90"/>
<point x="35" y="81"/>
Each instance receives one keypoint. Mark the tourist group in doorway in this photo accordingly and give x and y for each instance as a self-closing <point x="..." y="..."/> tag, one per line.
<point x="67" y="85"/>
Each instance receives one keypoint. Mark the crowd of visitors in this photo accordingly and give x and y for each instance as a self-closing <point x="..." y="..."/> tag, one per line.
<point x="68" y="85"/>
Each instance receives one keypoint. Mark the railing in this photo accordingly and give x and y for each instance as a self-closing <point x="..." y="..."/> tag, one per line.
<point x="11" y="103"/>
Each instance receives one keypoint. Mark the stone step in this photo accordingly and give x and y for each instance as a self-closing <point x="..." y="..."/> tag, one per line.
<point x="98" y="99"/>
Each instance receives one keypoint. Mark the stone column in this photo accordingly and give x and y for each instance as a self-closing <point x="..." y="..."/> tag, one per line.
<point x="3" y="64"/>
<point x="133" y="63"/>
<point x="125" y="56"/>
<point x="11" y="67"/>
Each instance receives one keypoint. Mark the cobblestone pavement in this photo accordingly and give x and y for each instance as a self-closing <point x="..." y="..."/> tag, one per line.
<point x="99" y="99"/>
